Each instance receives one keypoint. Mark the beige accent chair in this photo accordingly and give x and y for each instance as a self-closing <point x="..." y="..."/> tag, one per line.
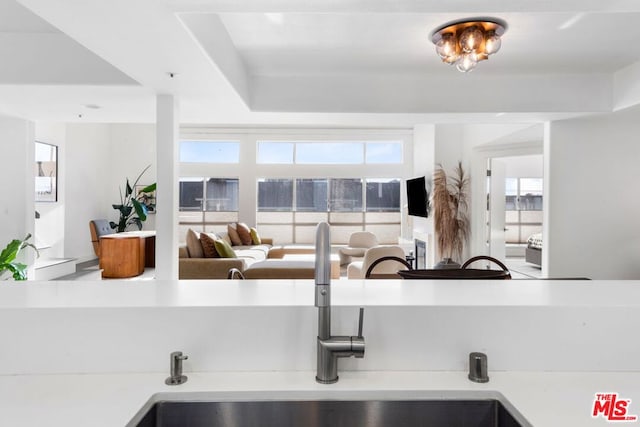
<point x="386" y="269"/>
<point x="359" y="242"/>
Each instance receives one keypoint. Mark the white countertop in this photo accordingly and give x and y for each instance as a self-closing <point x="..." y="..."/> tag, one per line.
<point x="127" y="234"/>
<point x="533" y="331"/>
<point x="544" y="399"/>
<point x="269" y="293"/>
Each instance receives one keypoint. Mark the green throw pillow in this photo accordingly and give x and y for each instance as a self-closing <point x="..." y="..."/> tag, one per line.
<point x="255" y="237"/>
<point x="224" y="249"/>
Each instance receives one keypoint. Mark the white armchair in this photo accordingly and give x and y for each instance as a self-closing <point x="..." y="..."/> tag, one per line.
<point x="358" y="269"/>
<point x="359" y="242"/>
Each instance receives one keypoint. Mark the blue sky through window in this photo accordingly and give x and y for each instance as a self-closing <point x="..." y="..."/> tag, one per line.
<point x="275" y="152"/>
<point x="210" y="151"/>
<point x="384" y="152"/>
<point x="329" y="153"/>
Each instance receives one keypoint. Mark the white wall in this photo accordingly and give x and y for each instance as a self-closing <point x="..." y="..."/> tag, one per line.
<point x="87" y="160"/>
<point x="50" y="227"/>
<point x="132" y="147"/>
<point x="480" y="134"/>
<point x="524" y="166"/>
<point x="449" y="146"/>
<point x="17" y="211"/>
<point x="99" y="159"/>
<point x="592" y="204"/>
<point x="423" y="155"/>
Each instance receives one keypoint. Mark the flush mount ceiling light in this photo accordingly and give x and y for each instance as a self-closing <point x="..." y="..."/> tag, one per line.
<point x="468" y="41"/>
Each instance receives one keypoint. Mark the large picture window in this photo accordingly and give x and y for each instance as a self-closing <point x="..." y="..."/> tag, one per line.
<point x="325" y="153"/>
<point x="345" y="195"/>
<point x="329" y="152"/>
<point x="329" y="195"/>
<point x="311" y="195"/>
<point x="523" y="194"/>
<point x="191" y="191"/>
<point x="383" y="195"/>
<point x="275" y="195"/>
<point x="208" y="194"/>
<point x="275" y="152"/>
<point x="222" y="195"/>
<point x="293" y="178"/>
<point x="523" y="209"/>
<point x="209" y="151"/>
<point x="384" y="152"/>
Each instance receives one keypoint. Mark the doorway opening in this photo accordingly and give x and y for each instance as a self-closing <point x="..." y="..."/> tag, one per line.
<point x="514" y="210"/>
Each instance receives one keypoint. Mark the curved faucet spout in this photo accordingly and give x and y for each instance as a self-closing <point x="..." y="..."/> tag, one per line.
<point x="323" y="254"/>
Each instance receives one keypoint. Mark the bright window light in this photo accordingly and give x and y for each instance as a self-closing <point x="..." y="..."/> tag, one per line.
<point x="329" y="153"/>
<point x="209" y="151"/>
<point x="384" y="152"/>
<point x="275" y="152"/>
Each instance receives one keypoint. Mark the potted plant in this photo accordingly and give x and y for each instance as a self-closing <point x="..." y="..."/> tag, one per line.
<point x="133" y="206"/>
<point x="8" y="256"/>
<point x="451" y="219"/>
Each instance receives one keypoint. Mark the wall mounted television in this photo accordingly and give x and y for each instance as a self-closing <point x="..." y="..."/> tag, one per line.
<point x="417" y="197"/>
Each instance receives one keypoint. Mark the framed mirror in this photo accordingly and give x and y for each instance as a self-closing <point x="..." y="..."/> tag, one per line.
<point x="46" y="172"/>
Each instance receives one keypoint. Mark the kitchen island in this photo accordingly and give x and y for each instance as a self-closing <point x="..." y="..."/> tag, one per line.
<point x="93" y="353"/>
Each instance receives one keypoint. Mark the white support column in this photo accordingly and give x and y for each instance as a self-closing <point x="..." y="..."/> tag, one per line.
<point x="167" y="192"/>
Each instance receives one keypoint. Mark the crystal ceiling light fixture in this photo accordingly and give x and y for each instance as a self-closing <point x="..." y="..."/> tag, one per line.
<point x="468" y="41"/>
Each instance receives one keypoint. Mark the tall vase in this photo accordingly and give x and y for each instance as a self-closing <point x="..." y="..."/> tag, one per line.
<point x="446" y="263"/>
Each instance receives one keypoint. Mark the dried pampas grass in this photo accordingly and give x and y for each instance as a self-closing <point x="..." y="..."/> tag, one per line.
<point x="450" y="207"/>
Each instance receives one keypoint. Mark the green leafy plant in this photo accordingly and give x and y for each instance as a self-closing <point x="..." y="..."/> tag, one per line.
<point x="133" y="206"/>
<point x="9" y="254"/>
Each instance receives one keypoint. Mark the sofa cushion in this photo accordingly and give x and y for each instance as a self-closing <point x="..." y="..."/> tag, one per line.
<point x="208" y="243"/>
<point x="183" y="252"/>
<point x="244" y="233"/>
<point x="256" y="253"/>
<point x="223" y="248"/>
<point x="233" y="235"/>
<point x="255" y="237"/>
<point x="194" y="248"/>
<point x="281" y="251"/>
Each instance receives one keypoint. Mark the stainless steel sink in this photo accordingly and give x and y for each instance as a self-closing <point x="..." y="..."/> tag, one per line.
<point x="488" y="411"/>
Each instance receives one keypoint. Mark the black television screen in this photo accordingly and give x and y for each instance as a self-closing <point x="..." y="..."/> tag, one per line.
<point x="417" y="198"/>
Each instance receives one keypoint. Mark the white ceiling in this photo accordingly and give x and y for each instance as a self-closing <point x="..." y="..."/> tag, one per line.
<point x="335" y="62"/>
<point x="307" y="43"/>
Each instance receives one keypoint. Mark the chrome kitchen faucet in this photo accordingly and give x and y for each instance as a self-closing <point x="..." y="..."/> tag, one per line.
<point x="330" y="347"/>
